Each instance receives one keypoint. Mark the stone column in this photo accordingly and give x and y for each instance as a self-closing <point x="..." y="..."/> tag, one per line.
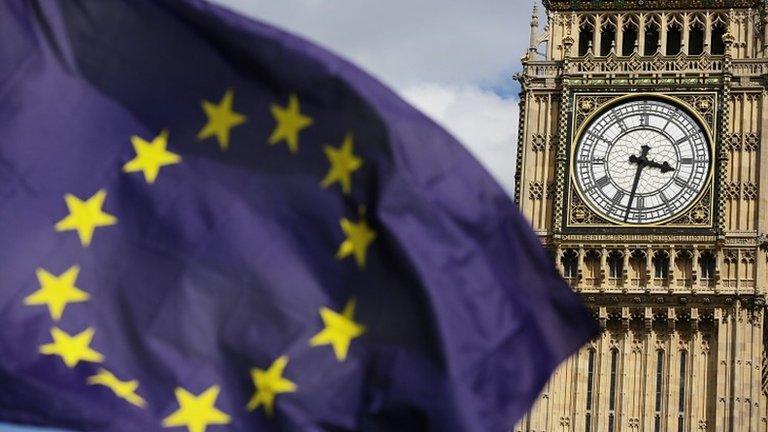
<point x="534" y="37"/>
<point x="671" y="281"/>
<point x="580" y="269"/>
<point x="695" y="267"/>
<point x="598" y="33"/>
<point x="724" y="341"/>
<point x="708" y="33"/>
<point x="603" y="268"/>
<point x="649" y="270"/>
<point x="625" y="269"/>
<point x="619" y="34"/>
<point x="663" y="34"/>
<point x="750" y="33"/>
<point x="684" y="44"/>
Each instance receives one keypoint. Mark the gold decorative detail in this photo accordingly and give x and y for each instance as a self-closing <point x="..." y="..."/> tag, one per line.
<point x="752" y="142"/>
<point x="700" y="214"/>
<point x="749" y="191"/>
<point x="732" y="190"/>
<point x="540" y="142"/>
<point x="571" y="5"/>
<point x="732" y="142"/>
<point x="536" y="190"/>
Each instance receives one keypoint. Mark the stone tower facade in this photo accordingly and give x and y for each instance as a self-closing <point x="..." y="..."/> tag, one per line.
<point x="643" y="167"/>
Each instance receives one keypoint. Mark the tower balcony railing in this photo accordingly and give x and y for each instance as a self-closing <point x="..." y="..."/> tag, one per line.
<point x="658" y="64"/>
<point x="635" y="65"/>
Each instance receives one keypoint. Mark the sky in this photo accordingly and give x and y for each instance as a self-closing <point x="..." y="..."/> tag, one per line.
<point x="452" y="59"/>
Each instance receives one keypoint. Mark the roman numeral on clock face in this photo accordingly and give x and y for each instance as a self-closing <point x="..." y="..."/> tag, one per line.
<point x="682" y="183"/>
<point x="602" y="182"/>
<point x="617" y="198"/>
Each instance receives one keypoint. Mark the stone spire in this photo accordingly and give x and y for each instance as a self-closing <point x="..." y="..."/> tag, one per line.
<point x="534" y="41"/>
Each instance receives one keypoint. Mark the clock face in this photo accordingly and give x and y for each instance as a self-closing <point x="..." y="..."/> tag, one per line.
<point x="642" y="162"/>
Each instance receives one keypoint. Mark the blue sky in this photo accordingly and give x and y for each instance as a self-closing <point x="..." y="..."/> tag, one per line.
<point x="452" y="59"/>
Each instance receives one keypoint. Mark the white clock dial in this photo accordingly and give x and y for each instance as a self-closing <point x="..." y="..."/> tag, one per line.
<point x="642" y="162"/>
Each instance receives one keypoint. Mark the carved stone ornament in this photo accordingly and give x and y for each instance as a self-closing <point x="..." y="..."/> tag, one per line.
<point x="752" y="142"/>
<point x="539" y="142"/>
<point x="551" y="189"/>
<point x="704" y="104"/>
<point x="576" y="5"/>
<point x="580" y="214"/>
<point x="732" y="142"/>
<point x="700" y="214"/>
<point x="587" y="104"/>
<point x="536" y="190"/>
<point x="762" y="241"/>
<point x="732" y="190"/>
<point x="750" y="191"/>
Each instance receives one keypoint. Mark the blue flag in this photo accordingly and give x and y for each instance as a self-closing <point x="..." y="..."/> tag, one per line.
<point x="209" y="224"/>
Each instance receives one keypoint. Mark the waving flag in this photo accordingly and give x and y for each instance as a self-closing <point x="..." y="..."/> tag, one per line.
<point x="209" y="224"/>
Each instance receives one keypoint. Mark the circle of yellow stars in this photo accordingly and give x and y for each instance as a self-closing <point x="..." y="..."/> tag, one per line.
<point x="85" y="215"/>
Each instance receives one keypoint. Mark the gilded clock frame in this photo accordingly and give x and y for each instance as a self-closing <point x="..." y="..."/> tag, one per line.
<point x="574" y="197"/>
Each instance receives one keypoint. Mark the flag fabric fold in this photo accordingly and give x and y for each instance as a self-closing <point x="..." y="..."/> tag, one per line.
<point x="210" y="224"/>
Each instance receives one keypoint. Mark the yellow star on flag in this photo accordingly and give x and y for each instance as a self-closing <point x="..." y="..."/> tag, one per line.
<point x="221" y="119"/>
<point x="343" y="164"/>
<point x="72" y="349"/>
<point x="123" y="389"/>
<point x="359" y="238"/>
<point x="151" y="156"/>
<point x="85" y="216"/>
<point x="57" y="291"/>
<point x="290" y="121"/>
<point x="340" y="329"/>
<point x="197" y="412"/>
<point x="270" y="383"/>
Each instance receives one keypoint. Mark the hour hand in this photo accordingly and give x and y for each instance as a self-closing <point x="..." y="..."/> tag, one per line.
<point x="664" y="167"/>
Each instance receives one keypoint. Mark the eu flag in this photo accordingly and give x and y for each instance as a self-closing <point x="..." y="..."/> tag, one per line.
<point x="208" y="224"/>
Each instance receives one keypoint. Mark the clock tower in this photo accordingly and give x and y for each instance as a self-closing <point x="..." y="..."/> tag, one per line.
<point x="642" y="165"/>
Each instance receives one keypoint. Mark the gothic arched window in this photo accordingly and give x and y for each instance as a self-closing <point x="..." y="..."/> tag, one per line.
<point x="590" y="390"/>
<point x="586" y="35"/>
<point x="661" y="265"/>
<point x="652" y="38"/>
<point x="681" y="398"/>
<point x="613" y="390"/>
<point x="615" y="265"/>
<point x="570" y="263"/>
<point x="592" y="266"/>
<point x="637" y="267"/>
<point x="607" y="36"/>
<point x="684" y="267"/>
<point x="707" y="265"/>
<point x="674" y="36"/>
<point x="659" y="394"/>
<point x="629" y="36"/>
<point x="719" y="29"/>
<point x="696" y="36"/>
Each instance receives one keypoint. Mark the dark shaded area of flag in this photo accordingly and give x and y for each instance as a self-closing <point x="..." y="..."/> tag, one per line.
<point x="223" y="263"/>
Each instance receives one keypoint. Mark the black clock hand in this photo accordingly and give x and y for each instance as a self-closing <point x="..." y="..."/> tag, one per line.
<point x="664" y="167"/>
<point x="642" y="162"/>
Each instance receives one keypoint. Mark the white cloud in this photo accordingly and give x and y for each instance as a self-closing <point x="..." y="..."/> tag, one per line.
<point x="482" y="120"/>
